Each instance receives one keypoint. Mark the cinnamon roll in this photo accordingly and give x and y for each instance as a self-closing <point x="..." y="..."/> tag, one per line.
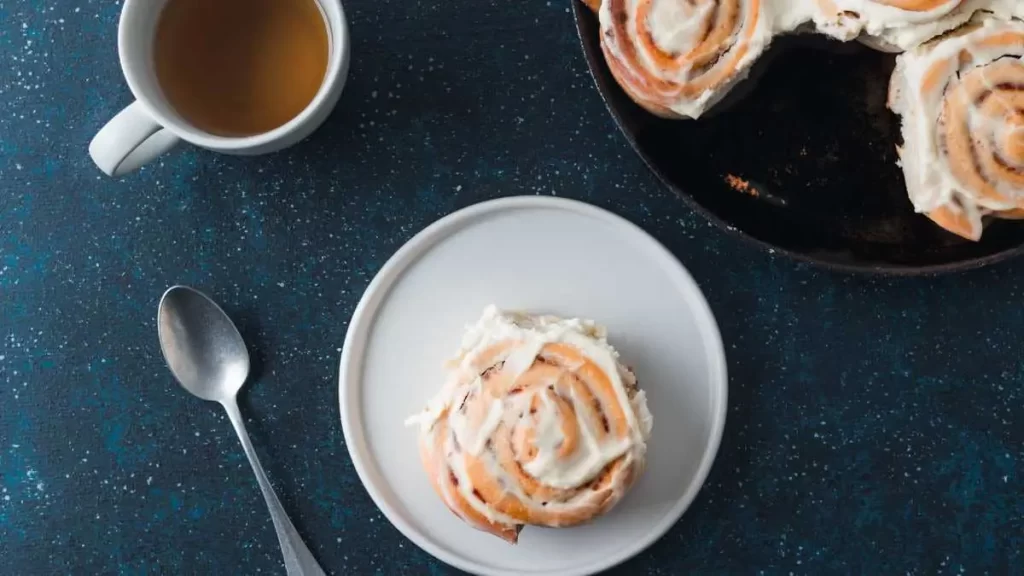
<point x="537" y="424"/>
<point x="961" y="99"/>
<point x="677" y="58"/>
<point x="892" y="25"/>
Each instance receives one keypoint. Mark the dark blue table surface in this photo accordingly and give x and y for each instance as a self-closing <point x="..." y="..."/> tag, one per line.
<point x="874" y="425"/>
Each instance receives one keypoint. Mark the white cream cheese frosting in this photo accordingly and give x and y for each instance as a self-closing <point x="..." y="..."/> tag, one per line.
<point x="898" y="25"/>
<point x="890" y="24"/>
<point x="963" y="128"/>
<point x="537" y="423"/>
<point x="679" y="58"/>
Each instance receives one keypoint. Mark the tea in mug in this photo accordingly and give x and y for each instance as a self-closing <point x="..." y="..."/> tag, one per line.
<point x="240" y="67"/>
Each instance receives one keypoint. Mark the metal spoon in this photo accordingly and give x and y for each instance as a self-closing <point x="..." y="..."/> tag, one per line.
<point x="206" y="353"/>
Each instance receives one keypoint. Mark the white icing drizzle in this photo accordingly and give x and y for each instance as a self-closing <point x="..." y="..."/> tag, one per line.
<point x="885" y="26"/>
<point x="535" y="412"/>
<point x="675" y="26"/>
<point x="895" y="27"/>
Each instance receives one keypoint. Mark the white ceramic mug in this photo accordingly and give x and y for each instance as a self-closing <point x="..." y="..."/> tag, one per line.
<point x="150" y="126"/>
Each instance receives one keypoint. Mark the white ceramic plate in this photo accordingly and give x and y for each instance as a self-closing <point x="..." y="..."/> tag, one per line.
<point x="544" y="255"/>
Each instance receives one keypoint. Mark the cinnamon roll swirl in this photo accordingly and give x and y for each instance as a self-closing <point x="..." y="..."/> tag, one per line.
<point x="538" y="424"/>
<point x="677" y="58"/>
<point x="961" y="99"/>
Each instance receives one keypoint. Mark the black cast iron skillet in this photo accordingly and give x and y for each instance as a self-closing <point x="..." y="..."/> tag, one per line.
<point x="811" y="135"/>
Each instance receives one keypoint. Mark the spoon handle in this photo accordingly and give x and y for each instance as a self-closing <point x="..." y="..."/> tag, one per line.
<point x="298" y="560"/>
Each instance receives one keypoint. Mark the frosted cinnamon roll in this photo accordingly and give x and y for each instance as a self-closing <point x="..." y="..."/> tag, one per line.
<point x="961" y="99"/>
<point x="537" y="424"/>
<point x="677" y="58"/>
<point x="892" y="25"/>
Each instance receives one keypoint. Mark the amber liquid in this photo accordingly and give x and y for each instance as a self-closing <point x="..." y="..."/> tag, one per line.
<point x="240" y="67"/>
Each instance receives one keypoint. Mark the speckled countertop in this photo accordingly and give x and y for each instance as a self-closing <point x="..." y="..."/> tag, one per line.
<point x="874" y="425"/>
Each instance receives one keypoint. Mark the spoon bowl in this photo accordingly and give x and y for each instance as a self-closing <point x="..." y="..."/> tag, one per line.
<point x="203" y="349"/>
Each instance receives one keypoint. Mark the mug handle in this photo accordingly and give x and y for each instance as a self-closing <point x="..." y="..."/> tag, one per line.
<point x="129" y="140"/>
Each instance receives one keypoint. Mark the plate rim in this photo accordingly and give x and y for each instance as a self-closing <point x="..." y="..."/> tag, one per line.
<point x="355" y="344"/>
<point x="595" y="61"/>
